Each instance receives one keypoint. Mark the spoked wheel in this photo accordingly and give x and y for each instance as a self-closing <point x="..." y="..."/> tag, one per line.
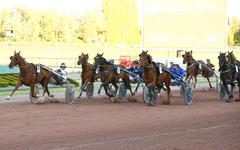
<point x="37" y="100"/>
<point x="182" y="89"/>
<point x="122" y="91"/>
<point x="223" y="92"/>
<point x="69" y="94"/>
<point x="112" y="92"/>
<point x="218" y="83"/>
<point x="188" y="95"/>
<point x="89" y="90"/>
<point x="149" y="95"/>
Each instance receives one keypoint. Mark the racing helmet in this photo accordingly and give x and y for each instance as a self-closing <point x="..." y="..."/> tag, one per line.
<point x="63" y="65"/>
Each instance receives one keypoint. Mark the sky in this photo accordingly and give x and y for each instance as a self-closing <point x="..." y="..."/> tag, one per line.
<point x="233" y="8"/>
<point x="81" y="6"/>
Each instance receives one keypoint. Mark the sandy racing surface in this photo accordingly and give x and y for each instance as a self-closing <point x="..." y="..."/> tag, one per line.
<point x="102" y="125"/>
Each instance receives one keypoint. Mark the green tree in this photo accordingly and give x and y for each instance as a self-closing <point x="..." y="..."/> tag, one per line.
<point x="232" y="31"/>
<point x="121" y="21"/>
<point x="237" y="37"/>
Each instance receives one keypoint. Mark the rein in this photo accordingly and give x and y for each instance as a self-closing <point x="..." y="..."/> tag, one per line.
<point x="191" y="64"/>
<point x="222" y="72"/>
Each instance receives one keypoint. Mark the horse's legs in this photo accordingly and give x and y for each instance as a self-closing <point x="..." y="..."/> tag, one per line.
<point x="209" y="82"/>
<point x="232" y="88"/>
<point x="127" y="83"/>
<point x="195" y="82"/>
<point x="32" y="91"/>
<point x="106" y="90"/>
<point x="116" y="87"/>
<point x="128" y="86"/>
<point x="226" y="87"/>
<point x="19" y="83"/>
<point x="82" y="88"/>
<point x="46" y="88"/>
<point x="100" y="88"/>
<point x="168" y="93"/>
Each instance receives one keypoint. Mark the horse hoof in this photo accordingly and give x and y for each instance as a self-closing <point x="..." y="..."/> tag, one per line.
<point x="116" y="100"/>
<point x="228" y="101"/>
<point x="237" y="100"/>
<point x="8" y="97"/>
<point x="132" y="100"/>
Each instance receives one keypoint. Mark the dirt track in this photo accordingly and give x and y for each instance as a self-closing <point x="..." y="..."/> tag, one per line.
<point x="99" y="124"/>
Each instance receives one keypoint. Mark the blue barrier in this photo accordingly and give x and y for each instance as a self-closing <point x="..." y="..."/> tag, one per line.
<point x="6" y="69"/>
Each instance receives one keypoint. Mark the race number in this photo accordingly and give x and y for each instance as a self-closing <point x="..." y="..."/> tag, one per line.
<point x="118" y="69"/>
<point x="160" y="69"/>
<point x="38" y="68"/>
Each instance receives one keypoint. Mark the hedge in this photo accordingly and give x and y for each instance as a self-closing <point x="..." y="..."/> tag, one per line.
<point x="4" y="84"/>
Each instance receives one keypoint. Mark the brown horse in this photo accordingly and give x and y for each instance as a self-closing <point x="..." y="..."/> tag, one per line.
<point x="152" y="77"/>
<point x="196" y="67"/>
<point x="232" y="59"/>
<point x="109" y="75"/>
<point x="29" y="76"/>
<point x="88" y="72"/>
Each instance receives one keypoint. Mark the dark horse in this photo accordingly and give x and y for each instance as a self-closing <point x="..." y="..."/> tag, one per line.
<point x="29" y="76"/>
<point x="196" y="67"/>
<point x="109" y="75"/>
<point x="152" y="77"/>
<point x="88" y="72"/>
<point x="228" y="74"/>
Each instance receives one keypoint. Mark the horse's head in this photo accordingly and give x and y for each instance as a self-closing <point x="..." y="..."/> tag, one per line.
<point x="231" y="57"/>
<point x="83" y="58"/>
<point x="15" y="59"/>
<point x="99" y="59"/>
<point x="187" y="57"/>
<point x="144" y="58"/>
<point x="222" y="59"/>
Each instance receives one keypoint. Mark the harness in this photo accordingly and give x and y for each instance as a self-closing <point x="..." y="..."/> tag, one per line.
<point x="191" y="64"/>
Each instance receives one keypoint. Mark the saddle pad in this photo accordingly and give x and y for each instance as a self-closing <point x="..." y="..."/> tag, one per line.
<point x="200" y="66"/>
<point x="97" y="70"/>
<point x="118" y="69"/>
<point x="38" y="68"/>
<point x="160" y="69"/>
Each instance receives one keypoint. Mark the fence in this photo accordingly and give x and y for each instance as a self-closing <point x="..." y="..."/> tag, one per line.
<point x="52" y="55"/>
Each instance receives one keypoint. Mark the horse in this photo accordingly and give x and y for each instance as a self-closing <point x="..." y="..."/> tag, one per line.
<point x="152" y="77"/>
<point x="88" y="73"/>
<point x="232" y="59"/>
<point x="109" y="75"/>
<point x="29" y="75"/>
<point x="196" y="67"/>
<point x="228" y="74"/>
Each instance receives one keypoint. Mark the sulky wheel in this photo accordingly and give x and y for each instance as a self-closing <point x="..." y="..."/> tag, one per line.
<point x="149" y="95"/>
<point x="122" y="91"/>
<point x="112" y="92"/>
<point x="145" y="94"/>
<point x="188" y="95"/>
<point x="89" y="90"/>
<point x="182" y="89"/>
<point x="223" y="92"/>
<point x="69" y="94"/>
<point x="36" y="92"/>
<point x="218" y="83"/>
